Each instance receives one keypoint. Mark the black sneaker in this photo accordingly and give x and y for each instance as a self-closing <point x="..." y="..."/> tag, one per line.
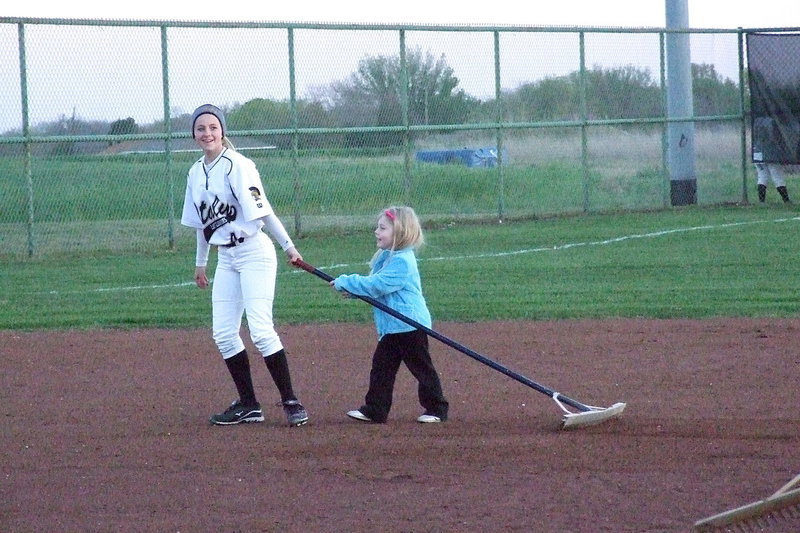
<point x="296" y="414"/>
<point x="238" y="413"/>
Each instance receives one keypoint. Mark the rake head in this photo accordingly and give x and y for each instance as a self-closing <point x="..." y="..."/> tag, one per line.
<point x="781" y="507"/>
<point x="594" y="415"/>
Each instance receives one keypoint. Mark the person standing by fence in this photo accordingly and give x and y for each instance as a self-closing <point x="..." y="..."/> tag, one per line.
<point x="226" y="203"/>
<point x="767" y="150"/>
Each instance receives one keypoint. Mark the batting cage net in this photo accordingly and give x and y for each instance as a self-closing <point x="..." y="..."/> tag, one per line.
<point x="774" y="79"/>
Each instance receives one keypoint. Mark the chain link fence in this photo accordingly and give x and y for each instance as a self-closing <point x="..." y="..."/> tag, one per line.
<point x="464" y="123"/>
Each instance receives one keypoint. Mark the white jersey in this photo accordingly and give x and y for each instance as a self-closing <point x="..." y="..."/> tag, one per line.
<point x="225" y="199"/>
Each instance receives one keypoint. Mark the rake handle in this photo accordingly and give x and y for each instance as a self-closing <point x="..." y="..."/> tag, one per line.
<point x="450" y="342"/>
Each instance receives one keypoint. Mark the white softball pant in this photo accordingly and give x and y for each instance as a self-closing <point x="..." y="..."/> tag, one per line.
<point x="767" y="171"/>
<point x="244" y="281"/>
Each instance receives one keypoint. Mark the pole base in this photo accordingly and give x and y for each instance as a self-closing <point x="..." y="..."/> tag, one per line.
<point x="683" y="192"/>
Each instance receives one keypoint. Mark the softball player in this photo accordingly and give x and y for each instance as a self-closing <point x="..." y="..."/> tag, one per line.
<point x="767" y="147"/>
<point x="226" y="204"/>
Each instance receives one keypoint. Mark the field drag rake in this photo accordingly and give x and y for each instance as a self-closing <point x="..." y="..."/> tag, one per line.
<point x="584" y="415"/>
<point x="760" y="515"/>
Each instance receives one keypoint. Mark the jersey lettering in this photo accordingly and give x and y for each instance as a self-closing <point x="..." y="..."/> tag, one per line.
<point x="215" y="216"/>
<point x="217" y="209"/>
<point x="209" y="230"/>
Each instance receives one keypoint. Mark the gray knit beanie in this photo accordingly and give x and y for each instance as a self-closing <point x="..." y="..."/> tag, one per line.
<point x="210" y="110"/>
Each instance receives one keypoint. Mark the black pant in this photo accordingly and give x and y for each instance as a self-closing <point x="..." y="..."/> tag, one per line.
<point x="412" y="349"/>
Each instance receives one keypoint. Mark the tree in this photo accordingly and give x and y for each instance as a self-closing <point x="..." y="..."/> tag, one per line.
<point x="262" y="114"/>
<point x="622" y="92"/>
<point x="372" y="96"/>
<point x="617" y="93"/>
<point x="713" y="94"/>
<point x="122" y="127"/>
<point x="554" y="98"/>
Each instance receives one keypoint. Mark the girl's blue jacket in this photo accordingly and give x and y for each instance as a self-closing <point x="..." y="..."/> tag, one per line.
<point x="394" y="281"/>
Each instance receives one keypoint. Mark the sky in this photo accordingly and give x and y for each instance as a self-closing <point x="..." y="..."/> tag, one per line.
<point x="620" y="13"/>
<point x="122" y="64"/>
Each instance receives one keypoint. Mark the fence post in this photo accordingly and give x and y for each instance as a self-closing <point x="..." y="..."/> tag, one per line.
<point x="168" y="140"/>
<point x="665" y="183"/>
<point x="298" y="228"/>
<point x="499" y="139"/>
<point x="584" y="118"/>
<point x="26" y="131"/>
<point x="742" y="96"/>
<point x="406" y="123"/>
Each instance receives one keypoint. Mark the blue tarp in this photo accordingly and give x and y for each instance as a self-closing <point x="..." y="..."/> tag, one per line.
<point x="471" y="157"/>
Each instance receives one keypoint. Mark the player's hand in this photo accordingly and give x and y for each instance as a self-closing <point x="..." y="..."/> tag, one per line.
<point x="200" y="277"/>
<point x="294" y="256"/>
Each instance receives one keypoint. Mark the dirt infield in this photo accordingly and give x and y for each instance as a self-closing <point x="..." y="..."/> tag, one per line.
<point x="107" y="431"/>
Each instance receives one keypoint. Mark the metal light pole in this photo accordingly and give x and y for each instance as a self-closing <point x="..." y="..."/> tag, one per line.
<point x="680" y="135"/>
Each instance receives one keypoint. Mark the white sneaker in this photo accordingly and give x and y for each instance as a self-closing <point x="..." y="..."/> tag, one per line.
<point x="358" y="415"/>
<point x="428" y="419"/>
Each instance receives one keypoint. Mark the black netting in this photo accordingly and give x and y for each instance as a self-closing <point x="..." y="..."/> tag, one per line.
<point x="773" y="63"/>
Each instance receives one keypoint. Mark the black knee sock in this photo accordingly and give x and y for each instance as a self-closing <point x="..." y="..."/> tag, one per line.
<point x="762" y="193"/>
<point x="279" y="370"/>
<point x="239" y="367"/>
<point x="784" y="194"/>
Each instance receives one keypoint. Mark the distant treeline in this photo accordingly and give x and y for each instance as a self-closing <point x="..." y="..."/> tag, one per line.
<point x="371" y="97"/>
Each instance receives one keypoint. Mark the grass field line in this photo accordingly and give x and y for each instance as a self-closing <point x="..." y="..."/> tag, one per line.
<point x="609" y="241"/>
<point x="128" y="288"/>
<point x="489" y="255"/>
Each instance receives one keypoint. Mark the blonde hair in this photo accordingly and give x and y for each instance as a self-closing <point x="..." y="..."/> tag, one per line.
<point x="406" y="230"/>
<point x="228" y="144"/>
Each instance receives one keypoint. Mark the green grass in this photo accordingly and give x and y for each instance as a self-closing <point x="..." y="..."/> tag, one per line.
<point x="102" y="231"/>
<point x="683" y="263"/>
<point x="109" y="205"/>
<point x="543" y="175"/>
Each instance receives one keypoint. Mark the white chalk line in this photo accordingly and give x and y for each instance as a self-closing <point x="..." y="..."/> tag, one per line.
<point x="558" y="247"/>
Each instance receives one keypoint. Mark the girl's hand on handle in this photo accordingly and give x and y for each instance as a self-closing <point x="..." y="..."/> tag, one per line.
<point x="200" y="277"/>
<point x="345" y="294"/>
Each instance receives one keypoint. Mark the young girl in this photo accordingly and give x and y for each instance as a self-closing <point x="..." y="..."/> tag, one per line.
<point x="225" y="202"/>
<point x="394" y="280"/>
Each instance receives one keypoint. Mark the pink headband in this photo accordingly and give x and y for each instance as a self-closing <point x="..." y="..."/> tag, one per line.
<point x="389" y="215"/>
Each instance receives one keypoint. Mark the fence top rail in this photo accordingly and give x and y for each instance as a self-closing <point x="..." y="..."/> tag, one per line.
<point x="362" y="26"/>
